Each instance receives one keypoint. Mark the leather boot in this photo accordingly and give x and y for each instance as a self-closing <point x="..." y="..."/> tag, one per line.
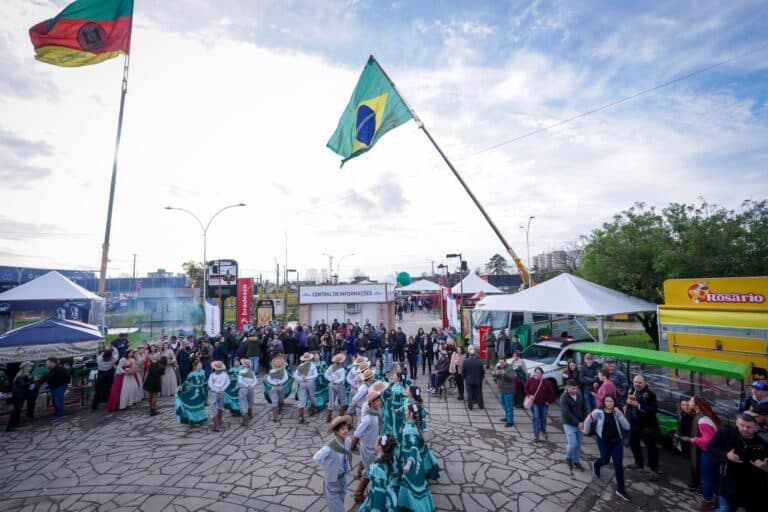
<point x="250" y="413"/>
<point x="342" y="410"/>
<point x="245" y="420"/>
<point x="301" y="415"/>
<point x="360" y="491"/>
<point x="360" y="469"/>
<point x="328" y="416"/>
<point x="274" y="414"/>
<point x="215" y="427"/>
<point x="312" y="410"/>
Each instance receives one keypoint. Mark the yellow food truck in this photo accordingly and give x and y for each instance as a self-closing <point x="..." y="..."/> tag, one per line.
<point x="721" y="318"/>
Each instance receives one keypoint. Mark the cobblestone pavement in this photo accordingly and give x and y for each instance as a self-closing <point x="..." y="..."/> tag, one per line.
<point x="97" y="461"/>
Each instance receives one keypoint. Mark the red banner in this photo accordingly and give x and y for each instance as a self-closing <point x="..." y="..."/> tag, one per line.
<point x="244" y="298"/>
<point x="482" y="331"/>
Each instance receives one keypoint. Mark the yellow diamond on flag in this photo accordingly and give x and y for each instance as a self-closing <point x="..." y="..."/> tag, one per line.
<point x="368" y="119"/>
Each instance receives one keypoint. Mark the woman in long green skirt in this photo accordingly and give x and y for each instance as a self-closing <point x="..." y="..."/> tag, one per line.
<point x="232" y="393"/>
<point x="414" y="495"/>
<point x="192" y="396"/>
<point x="382" y="473"/>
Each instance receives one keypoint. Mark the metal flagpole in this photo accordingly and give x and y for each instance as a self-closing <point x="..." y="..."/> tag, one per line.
<point x="105" y="247"/>
<point x="518" y="262"/>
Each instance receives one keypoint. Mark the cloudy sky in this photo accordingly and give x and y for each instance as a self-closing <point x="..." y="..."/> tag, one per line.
<point x="233" y="101"/>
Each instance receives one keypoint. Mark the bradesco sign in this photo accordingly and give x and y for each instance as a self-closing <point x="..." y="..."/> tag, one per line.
<point x="343" y="294"/>
<point x="732" y="293"/>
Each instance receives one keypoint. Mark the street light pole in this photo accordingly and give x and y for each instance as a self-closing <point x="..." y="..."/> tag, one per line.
<point x="338" y="263"/>
<point x="528" y="246"/>
<point x="330" y="266"/>
<point x="204" y="228"/>
<point x="461" y="290"/>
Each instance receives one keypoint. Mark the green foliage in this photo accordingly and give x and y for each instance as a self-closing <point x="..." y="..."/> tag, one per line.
<point x="497" y="265"/>
<point x="641" y="247"/>
<point x="194" y="270"/>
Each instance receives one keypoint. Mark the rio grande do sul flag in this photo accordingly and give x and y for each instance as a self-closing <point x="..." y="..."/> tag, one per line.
<point x="85" y="32"/>
<point x="374" y="108"/>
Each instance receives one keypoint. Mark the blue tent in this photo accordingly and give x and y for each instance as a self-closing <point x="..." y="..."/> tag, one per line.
<point x="52" y="337"/>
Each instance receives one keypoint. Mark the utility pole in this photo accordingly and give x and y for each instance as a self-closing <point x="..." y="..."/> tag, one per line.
<point x="134" y="267"/>
<point x="277" y="274"/>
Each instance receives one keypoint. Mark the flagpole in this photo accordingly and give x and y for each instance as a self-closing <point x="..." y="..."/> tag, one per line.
<point x="108" y="230"/>
<point x="518" y="262"/>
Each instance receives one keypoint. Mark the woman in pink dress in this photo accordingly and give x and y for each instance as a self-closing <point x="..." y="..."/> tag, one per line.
<point x="113" y="404"/>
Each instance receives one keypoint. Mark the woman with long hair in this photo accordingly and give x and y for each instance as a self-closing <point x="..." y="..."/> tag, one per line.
<point x="384" y="478"/>
<point x="610" y="427"/>
<point x="704" y="427"/>
<point x="192" y="396"/>
<point x="414" y="495"/>
<point x="543" y="394"/>
<point x="169" y="380"/>
<point x="393" y="404"/>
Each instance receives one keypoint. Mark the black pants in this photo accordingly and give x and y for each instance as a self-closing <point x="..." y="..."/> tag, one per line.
<point x="475" y="395"/>
<point x="31" y="399"/>
<point x="401" y="355"/>
<point x="13" y="419"/>
<point x="636" y="434"/>
<point x="426" y="360"/>
<point x="102" y="387"/>
<point x="460" y="384"/>
<point x="413" y="367"/>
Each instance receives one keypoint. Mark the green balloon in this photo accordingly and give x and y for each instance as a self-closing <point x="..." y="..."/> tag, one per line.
<point x="403" y="279"/>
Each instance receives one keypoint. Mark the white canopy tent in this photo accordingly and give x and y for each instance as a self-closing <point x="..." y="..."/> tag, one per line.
<point x="473" y="284"/>
<point x="422" y="285"/>
<point x="569" y="295"/>
<point x="54" y="288"/>
<point x="50" y="286"/>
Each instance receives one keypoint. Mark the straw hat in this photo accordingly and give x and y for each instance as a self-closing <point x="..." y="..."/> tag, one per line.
<point x="339" y="358"/>
<point x="360" y="360"/>
<point x="379" y="386"/>
<point x="278" y="363"/>
<point x="371" y="396"/>
<point x="338" y="421"/>
<point x="366" y="375"/>
<point x="363" y="366"/>
<point x="306" y="356"/>
<point x="245" y="362"/>
<point x="218" y="366"/>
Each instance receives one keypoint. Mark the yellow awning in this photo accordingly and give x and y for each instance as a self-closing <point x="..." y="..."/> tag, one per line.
<point x="715" y="318"/>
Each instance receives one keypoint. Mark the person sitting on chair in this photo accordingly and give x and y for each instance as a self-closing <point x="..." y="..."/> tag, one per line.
<point x="439" y="374"/>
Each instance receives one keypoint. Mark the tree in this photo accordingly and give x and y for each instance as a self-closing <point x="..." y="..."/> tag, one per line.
<point x="641" y="247"/>
<point x="497" y="265"/>
<point x="194" y="271"/>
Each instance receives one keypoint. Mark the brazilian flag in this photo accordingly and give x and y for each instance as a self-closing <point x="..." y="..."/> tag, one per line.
<point x="374" y="108"/>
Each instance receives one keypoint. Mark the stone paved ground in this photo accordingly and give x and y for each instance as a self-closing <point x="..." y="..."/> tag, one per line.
<point x="129" y="461"/>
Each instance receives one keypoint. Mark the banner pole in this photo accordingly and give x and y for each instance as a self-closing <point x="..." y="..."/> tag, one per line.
<point x="518" y="262"/>
<point x="108" y="230"/>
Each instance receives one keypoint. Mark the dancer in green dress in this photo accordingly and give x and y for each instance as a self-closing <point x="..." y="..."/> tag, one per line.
<point x="192" y="396"/>
<point x="431" y="468"/>
<point x="393" y="401"/>
<point x="378" y="371"/>
<point x="414" y="495"/>
<point x="321" y="384"/>
<point x="382" y="472"/>
<point x="232" y="393"/>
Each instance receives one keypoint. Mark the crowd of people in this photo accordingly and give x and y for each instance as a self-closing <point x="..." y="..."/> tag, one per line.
<point x="364" y="378"/>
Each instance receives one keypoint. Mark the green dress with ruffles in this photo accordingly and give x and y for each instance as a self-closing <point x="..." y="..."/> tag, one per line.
<point x="191" y="399"/>
<point x="413" y="495"/>
<point x="381" y="495"/>
<point x="232" y="393"/>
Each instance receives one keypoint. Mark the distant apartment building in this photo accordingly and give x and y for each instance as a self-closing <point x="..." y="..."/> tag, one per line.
<point x="557" y="261"/>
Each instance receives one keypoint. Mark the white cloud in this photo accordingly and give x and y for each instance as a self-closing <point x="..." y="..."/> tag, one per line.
<point x="212" y="119"/>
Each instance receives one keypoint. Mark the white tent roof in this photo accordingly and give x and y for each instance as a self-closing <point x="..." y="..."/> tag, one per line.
<point x="50" y="286"/>
<point x="568" y="295"/>
<point x="472" y="284"/>
<point x="422" y="285"/>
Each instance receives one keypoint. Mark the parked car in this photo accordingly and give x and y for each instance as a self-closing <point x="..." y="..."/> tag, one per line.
<point x="552" y="355"/>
